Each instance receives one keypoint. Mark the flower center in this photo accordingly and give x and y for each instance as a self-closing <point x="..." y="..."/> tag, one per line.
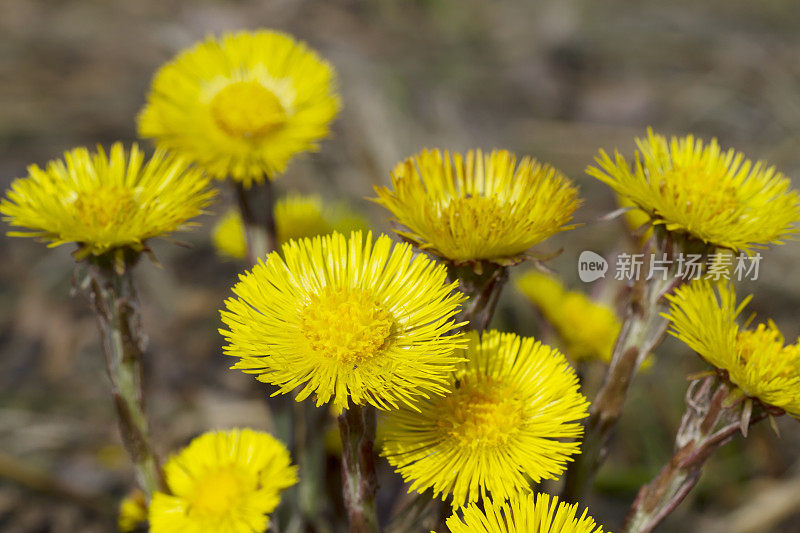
<point x="482" y="412"/>
<point x="347" y="325"/>
<point x="695" y="190"/>
<point x="105" y="206"/>
<point x="246" y="109"/>
<point x="473" y="213"/>
<point x="218" y="492"/>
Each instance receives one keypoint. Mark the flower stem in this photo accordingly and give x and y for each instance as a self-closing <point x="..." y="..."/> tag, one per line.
<point x="259" y="227"/>
<point x="483" y="287"/>
<point x="113" y="298"/>
<point x="707" y="425"/>
<point x="643" y="329"/>
<point x="359" y="481"/>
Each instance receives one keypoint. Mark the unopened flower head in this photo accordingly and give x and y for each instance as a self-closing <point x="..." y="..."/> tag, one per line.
<point x="510" y="417"/>
<point x="223" y="481"/>
<point x="350" y="320"/>
<point x="132" y="512"/>
<point x="587" y="328"/>
<point x="703" y="315"/>
<point x="478" y="206"/>
<point x="296" y="217"/>
<point x="104" y="201"/>
<point x="242" y="105"/>
<point x="539" y="513"/>
<point x="704" y="193"/>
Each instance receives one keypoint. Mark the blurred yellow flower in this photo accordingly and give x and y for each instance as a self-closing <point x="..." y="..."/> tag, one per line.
<point x="696" y="189"/>
<point x="478" y="206"/>
<point x="223" y="481"/>
<point x="510" y="416"/>
<point x="105" y="201"/>
<point x="296" y="217"/>
<point x="242" y="105"/>
<point x="703" y="315"/>
<point x="350" y="320"/>
<point x="540" y="513"/>
<point x="588" y="329"/>
<point x="132" y="512"/>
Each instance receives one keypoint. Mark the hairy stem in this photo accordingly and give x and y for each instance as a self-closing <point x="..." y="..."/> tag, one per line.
<point x="113" y="298"/>
<point x="259" y="225"/>
<point x="643" y="329"/>
<point x="706" y="426"/>
<point x="483" y="289"/>
<point x="359" y="481"/>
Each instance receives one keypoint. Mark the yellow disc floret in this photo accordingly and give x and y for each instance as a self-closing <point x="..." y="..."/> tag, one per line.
<point x="223" y="481"/>
<point x="510" y="415"/>
<point x="347" y="325"/>
<point x="103" y="201"/>
<point x="697" y="190"/>
<point x="247" y="109"/>
<point x="349" y="320"/>
<point x="478" y="206"/>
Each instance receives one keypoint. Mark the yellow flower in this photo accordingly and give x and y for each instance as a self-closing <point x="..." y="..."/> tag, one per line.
<point x="242" y="105"/>
<point x="703" y="315"/>
<point x="132" y="512"/>
<point x="478" y="206"/>
<point x="717" y="197"/>
<point x="296" y="217"/>
<point x="349" y="320"/>
<point x="587" y="328"/>
<point x="509" y="417"/>
<point x="225" y="481"/>
<point x="105" y="201"/>
<point x="528" y="514"/>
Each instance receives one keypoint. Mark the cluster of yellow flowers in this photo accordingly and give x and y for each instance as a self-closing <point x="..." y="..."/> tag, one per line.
<point x="340" y="317"/>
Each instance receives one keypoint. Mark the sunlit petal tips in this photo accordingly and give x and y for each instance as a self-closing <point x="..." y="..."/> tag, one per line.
<point x="242" y="105"/>
<point x="540" y="513"/>
<point x="103" y="201"/>
<point x="698" y="190"/>
<point x="226" y="481"/>
<point x="478" y="206"/>
<point x="510" y="416"/>
<point x="349" y="320"/>
<point x="703" y="315"/>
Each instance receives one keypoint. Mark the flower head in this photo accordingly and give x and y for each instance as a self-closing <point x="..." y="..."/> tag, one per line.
<point x="242" y="105"/>
<point x="505" y="420"/>
<point x="296" y="217"/>
<point x="132" y="512"/>
<point x="587" y="328"/>
<point x="703" y="315"/>
<point x="104" y="201"/>
<point x="226" y="481"/>
<point x="478" y="206"/>
<point x="540" y="513"/>
<point x="349" y="320"/>
<point x="699" y="191"/>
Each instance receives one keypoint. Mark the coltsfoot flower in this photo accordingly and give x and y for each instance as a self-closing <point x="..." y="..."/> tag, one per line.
<point x="242" y="105"/>
<point x="226" y="481"/>
<point x="509" y="417"/>
<point x="348" y="320"/>
<point x="296" y="217"/>
<point x="478" y="206"/>
<point x="587" y="328"/>
<point x="540" y="513"/>
<point x="132" y="512"/>
<point x="703" y="315"/>
<point x="701" y="192"/>
<point x="105" y="201"/>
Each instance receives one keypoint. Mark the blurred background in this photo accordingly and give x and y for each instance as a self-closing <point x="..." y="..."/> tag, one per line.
<point x="556" y="79"/>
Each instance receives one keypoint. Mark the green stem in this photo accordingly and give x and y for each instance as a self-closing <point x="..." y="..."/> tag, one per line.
<point x="483" y="287"/>
<point x="359" y="480"/>
<point x="259" y="226"/>
<point x="114" y="301"/>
